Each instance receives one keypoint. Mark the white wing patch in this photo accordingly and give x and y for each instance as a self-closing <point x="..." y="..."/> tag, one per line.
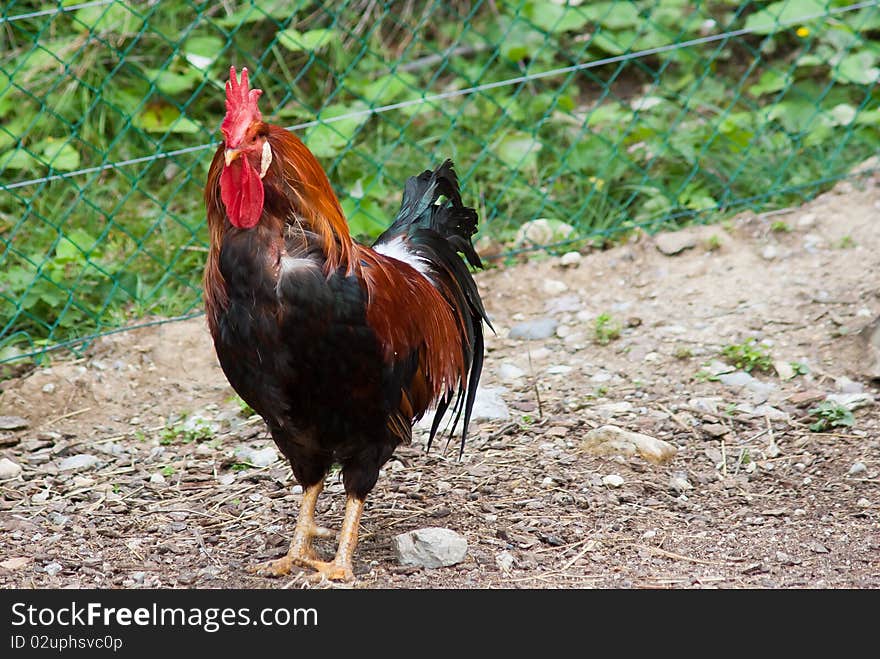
<point x="397" y="249"/>
<point x="293" y="263"/>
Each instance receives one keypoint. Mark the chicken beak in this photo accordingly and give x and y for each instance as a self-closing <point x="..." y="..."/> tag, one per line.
<point x="230" y="155"/>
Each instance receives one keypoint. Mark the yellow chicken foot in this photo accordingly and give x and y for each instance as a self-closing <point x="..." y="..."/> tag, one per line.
<point x="300" y="552"/>
<point x="341" y="567"/>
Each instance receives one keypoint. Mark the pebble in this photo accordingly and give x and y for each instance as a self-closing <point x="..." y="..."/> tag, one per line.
<point x="857" y="468"/>
<point x="508" y="372"/>
<point x="157" y="479"/>
<point x="489" y="405"/>
<point x="52" y="568"/>
<point x="613" y="409"/>
<point x="613" y="480"/>
<point x="846" y="386"/>
<point x="806" y="221"/>
<point x="430" y="547"/>
<point x="138" y="577"/>
<point x="533" y="330"/>
<point x="746" y="381"/>
<point x="851" y="401"/>
<point x="543" y="231"/>
<point x="671" y="243"/>
<point x="554" y="286"/>
<point x="680" y="483"/>
<point x="257" y="457"/>
<point x="548" y="482"/>
<point x="784" y="369"/>
<point x="769" y="253"/>
<point x="609" y="440"/>
<point x="79" y="461"/>
<point x="13" y="423"/>
<point x="570" y="259"/>
<point x="863" y="503"/>
<point x="559" y="369"/>
<point x="715" y="429"/>
<point x="297" y="489"/>
<point x="49" y="388"/>
<point x="505" y="560"/>
<point x="9" y="469"/>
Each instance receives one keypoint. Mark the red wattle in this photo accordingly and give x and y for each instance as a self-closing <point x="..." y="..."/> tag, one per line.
<point x="241" y="191"/>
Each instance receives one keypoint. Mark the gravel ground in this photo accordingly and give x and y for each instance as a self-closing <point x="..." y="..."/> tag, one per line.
<point x="135" y="466"/>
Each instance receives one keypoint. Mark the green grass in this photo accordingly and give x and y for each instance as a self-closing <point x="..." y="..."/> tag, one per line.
<point x="690" y="135"/>
<point x="749" y="356"/>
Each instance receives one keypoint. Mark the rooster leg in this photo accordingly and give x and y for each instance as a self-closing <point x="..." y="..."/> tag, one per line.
<point x="341" y="567"/>
<point x="300" y="552"/>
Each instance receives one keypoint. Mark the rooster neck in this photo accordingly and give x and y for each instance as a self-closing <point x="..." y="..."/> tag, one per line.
<point x="299" y="182"/>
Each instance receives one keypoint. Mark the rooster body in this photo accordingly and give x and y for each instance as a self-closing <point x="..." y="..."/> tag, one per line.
<point x="338" y="346"/>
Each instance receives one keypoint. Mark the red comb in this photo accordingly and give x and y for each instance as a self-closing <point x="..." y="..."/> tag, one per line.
<point x="241" y="108"/>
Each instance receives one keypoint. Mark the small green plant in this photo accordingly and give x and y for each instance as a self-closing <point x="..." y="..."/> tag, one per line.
<point x="780" y="226"/>
<point x="749" y="356"/>
<point x="799" y="368"/>
<point x="705" y="375"/>
<point x="606" y="329"/>
<point x="244" y="409"/>
<point x="683" y="352"/>
<point x="240" y="466"/>
<point x="829" y="414"/>
<point x="168" y="470"/>
<point x="713" y="243"/>
<point x="186" y="432"/>
<point x="847" y="242"/>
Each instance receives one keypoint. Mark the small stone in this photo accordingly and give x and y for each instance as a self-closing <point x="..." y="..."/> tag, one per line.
<point x="806" y="221"/>
<point x="609" y="440"/>
<point x="505" y="560"/>
<point x="431" y="547"/>
<point x="715" y="429"/>
<point x="138" y="577"/>
<point x="13" y="423"/>
<point x="614" y="409"/>
<point x="804" y="398"/>
<point x="570" y="259"/>
<point x="14" y="563"/>
<point x="533" y="330"/>
<point x="851" y="401"/>
<point x="297" y="489"/>
<point x="857" y="468"/>
<point x="547" y="482"/>
<point x="782" y="557"/>
<point x="680" y="483"/>
<point x="257" y="457"/>
<point x="846" y="386"/>
<point x="817" y="547"/>
<point x="613" y="480"/>
<point x="554" y="287"/>
<point x="76" y="462"/>
<point x="772" y="449"/>
<point x="674" y="242"/>
<point x="784" y="369"/>
<point x="863" y="503"/>
<point x="157" y="479"/>
<point x="543" y="231"/>
<point x="57" y="518"/>
<point x="489" y="405"/>
<point x="556" y="431"/>
<point x="508" y="372"/>
<point x="49" y="388"/>
<point x="52" y="568"/>
<point x="9" y="469"/>
<point x="769" y="253"/>
<point x="559" y="369"/>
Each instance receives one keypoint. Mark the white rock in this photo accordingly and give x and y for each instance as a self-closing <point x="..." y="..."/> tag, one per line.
<point x="600" y="376"/>
<point x="505" y="560"/>
<point x="857" y="468"/>
<point x="852" y="401"/>
<point x="79" y="461"/>
<point x="784" y="369"/>
<point x="52" y="568"/>
<point x="430" y="547"/>
<point x="296" y="489"/>
<point x="770" y="252"/>
<point x="846" y="386"/>
<point x="806" y="220"/>
<point x="508" y="372"/>
<point x="257" y="457"/>
<point x="611" y="440"/>
<point x="707" y="404"/>
<point x="863" y="503"/>
<point x="533" y="330"/>
<point x="612" y="480"/>
<point x="548" y="482"/>
<point x="559" y="369"/>
<point x="543" y="231"/>
<point x="226" y="479"/>
<point x="680" y="483"/>
<point x="9" y="469"/>
<point x="157" y="479"/>
<point x="489" y="405"/>
<point x="613" y="409"/>
<point x="554" y="286"/>
<point x="49" y="388"/>
<point x="13" y="423"/>
<point x="570" y="259"/>
<point x="673" y="242"/>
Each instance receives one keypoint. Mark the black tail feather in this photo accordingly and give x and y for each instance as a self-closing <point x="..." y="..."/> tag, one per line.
<point x="437" y="226"/>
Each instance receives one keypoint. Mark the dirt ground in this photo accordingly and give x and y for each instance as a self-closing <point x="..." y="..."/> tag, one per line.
<point x="752" y="497"/>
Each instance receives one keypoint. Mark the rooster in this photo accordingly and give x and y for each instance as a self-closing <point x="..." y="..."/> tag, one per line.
<point x="339" y="347"/>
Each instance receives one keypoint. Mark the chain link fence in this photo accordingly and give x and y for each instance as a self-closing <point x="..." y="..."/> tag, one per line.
<point x="596" y="117"/>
